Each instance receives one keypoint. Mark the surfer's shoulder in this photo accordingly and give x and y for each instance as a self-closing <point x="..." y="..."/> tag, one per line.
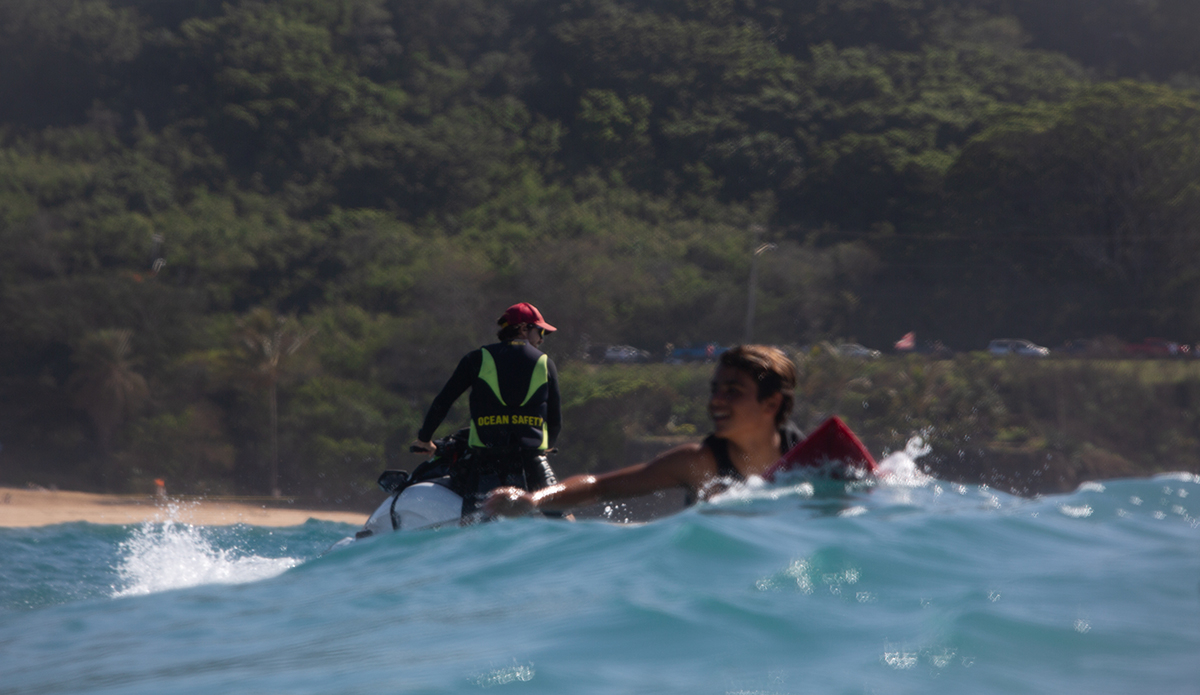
<point x="692" y="464"/>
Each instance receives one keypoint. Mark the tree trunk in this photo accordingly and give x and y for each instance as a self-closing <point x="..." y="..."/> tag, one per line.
<point x="274" y="466"/>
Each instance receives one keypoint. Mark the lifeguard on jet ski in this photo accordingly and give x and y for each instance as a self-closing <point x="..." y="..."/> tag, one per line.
<point x="431" y="496"/>
<point x="515" y="419"/>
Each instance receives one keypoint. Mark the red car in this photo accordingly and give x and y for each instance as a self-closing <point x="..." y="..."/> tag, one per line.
<point x="1158" y="347"/>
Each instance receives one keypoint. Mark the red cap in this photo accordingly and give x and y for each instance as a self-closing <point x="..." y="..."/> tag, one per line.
<point x="525" y="313"/>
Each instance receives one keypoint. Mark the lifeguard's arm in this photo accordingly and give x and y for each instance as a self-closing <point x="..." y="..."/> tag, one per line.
<point x="689" y="466"/>
<point x="553" y="404"/>
<point x="461" y="380"/>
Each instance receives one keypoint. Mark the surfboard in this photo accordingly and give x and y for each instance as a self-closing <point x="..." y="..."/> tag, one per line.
<point x="832" y="449"/>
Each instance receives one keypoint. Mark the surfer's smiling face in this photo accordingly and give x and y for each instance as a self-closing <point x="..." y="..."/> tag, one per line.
<point x="733" y="403"/>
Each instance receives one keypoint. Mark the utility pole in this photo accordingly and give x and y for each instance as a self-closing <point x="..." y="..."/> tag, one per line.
<point x="751" y="295"/>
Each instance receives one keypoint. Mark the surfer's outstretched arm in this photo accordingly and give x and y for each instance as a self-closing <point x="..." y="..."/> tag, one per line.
<point x="688" y="466"/>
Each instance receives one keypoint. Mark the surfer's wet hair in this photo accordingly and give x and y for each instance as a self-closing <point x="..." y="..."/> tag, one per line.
<point x="771" y="369"/>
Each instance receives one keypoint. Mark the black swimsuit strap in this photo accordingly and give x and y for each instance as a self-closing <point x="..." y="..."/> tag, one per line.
<point x="789" y="436"/>
<point x="720" y="451"/>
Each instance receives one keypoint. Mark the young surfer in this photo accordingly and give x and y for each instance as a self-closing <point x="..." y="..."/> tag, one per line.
<point x="750" y="402"/>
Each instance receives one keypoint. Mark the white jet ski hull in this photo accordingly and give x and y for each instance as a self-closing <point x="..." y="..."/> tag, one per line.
<point x="418" y="506"/>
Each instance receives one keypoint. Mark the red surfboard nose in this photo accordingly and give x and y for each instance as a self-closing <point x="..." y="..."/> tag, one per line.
<point x="833" y="445"/>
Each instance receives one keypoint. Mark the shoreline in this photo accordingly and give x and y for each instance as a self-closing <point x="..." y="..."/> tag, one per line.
<point x="24" y="508"/>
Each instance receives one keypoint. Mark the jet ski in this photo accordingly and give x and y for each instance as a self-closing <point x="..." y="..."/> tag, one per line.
<point x="423" y="499"/>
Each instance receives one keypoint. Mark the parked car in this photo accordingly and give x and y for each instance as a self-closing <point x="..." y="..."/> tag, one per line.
<point x="1103" y="347"/>
<point x="1158" y="347"/>
<point x="856" y="351"/>
<point x="1014" y="346"/>
<point x="696" y="352"/>
<point x="625" y="353"/>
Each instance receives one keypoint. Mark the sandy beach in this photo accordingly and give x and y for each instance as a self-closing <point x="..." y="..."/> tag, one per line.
<point x="22" y="507"/>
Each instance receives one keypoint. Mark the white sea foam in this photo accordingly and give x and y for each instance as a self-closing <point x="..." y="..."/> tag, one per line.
<point x="900" y="659"/>
<point x="1180" y="476"/>
<point x="755" y="488"/>
<point x="503" y="676"/>
<point x="166" y="555"/>
<point x="897" y="470"/>
<point x="900" y="469"/>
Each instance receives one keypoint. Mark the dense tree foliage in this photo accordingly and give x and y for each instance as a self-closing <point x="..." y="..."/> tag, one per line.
<point x="385" y="176"/>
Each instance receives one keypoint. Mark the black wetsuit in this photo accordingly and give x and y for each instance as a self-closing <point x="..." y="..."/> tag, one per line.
<point x="789" y="436"/>
<point x="515" y="417"/>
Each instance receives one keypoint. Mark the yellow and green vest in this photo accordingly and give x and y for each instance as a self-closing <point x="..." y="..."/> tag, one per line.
<point x="496" y="423"/>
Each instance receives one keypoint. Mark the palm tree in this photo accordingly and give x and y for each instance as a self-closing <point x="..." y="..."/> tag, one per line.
<point x="266" y="341"/>
<point x="105" y="385"/>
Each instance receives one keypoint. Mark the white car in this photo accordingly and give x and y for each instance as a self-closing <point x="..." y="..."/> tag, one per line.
<point x="857" y="351"/>
<point x="1012" y="346"/>
<point x="625" y="353"/>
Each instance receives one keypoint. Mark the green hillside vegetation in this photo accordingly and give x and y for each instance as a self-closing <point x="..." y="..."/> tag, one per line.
<point x="243" y="242"/>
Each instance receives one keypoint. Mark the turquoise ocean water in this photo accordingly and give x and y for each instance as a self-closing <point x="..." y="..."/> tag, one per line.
<point x="907" y="586"/>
